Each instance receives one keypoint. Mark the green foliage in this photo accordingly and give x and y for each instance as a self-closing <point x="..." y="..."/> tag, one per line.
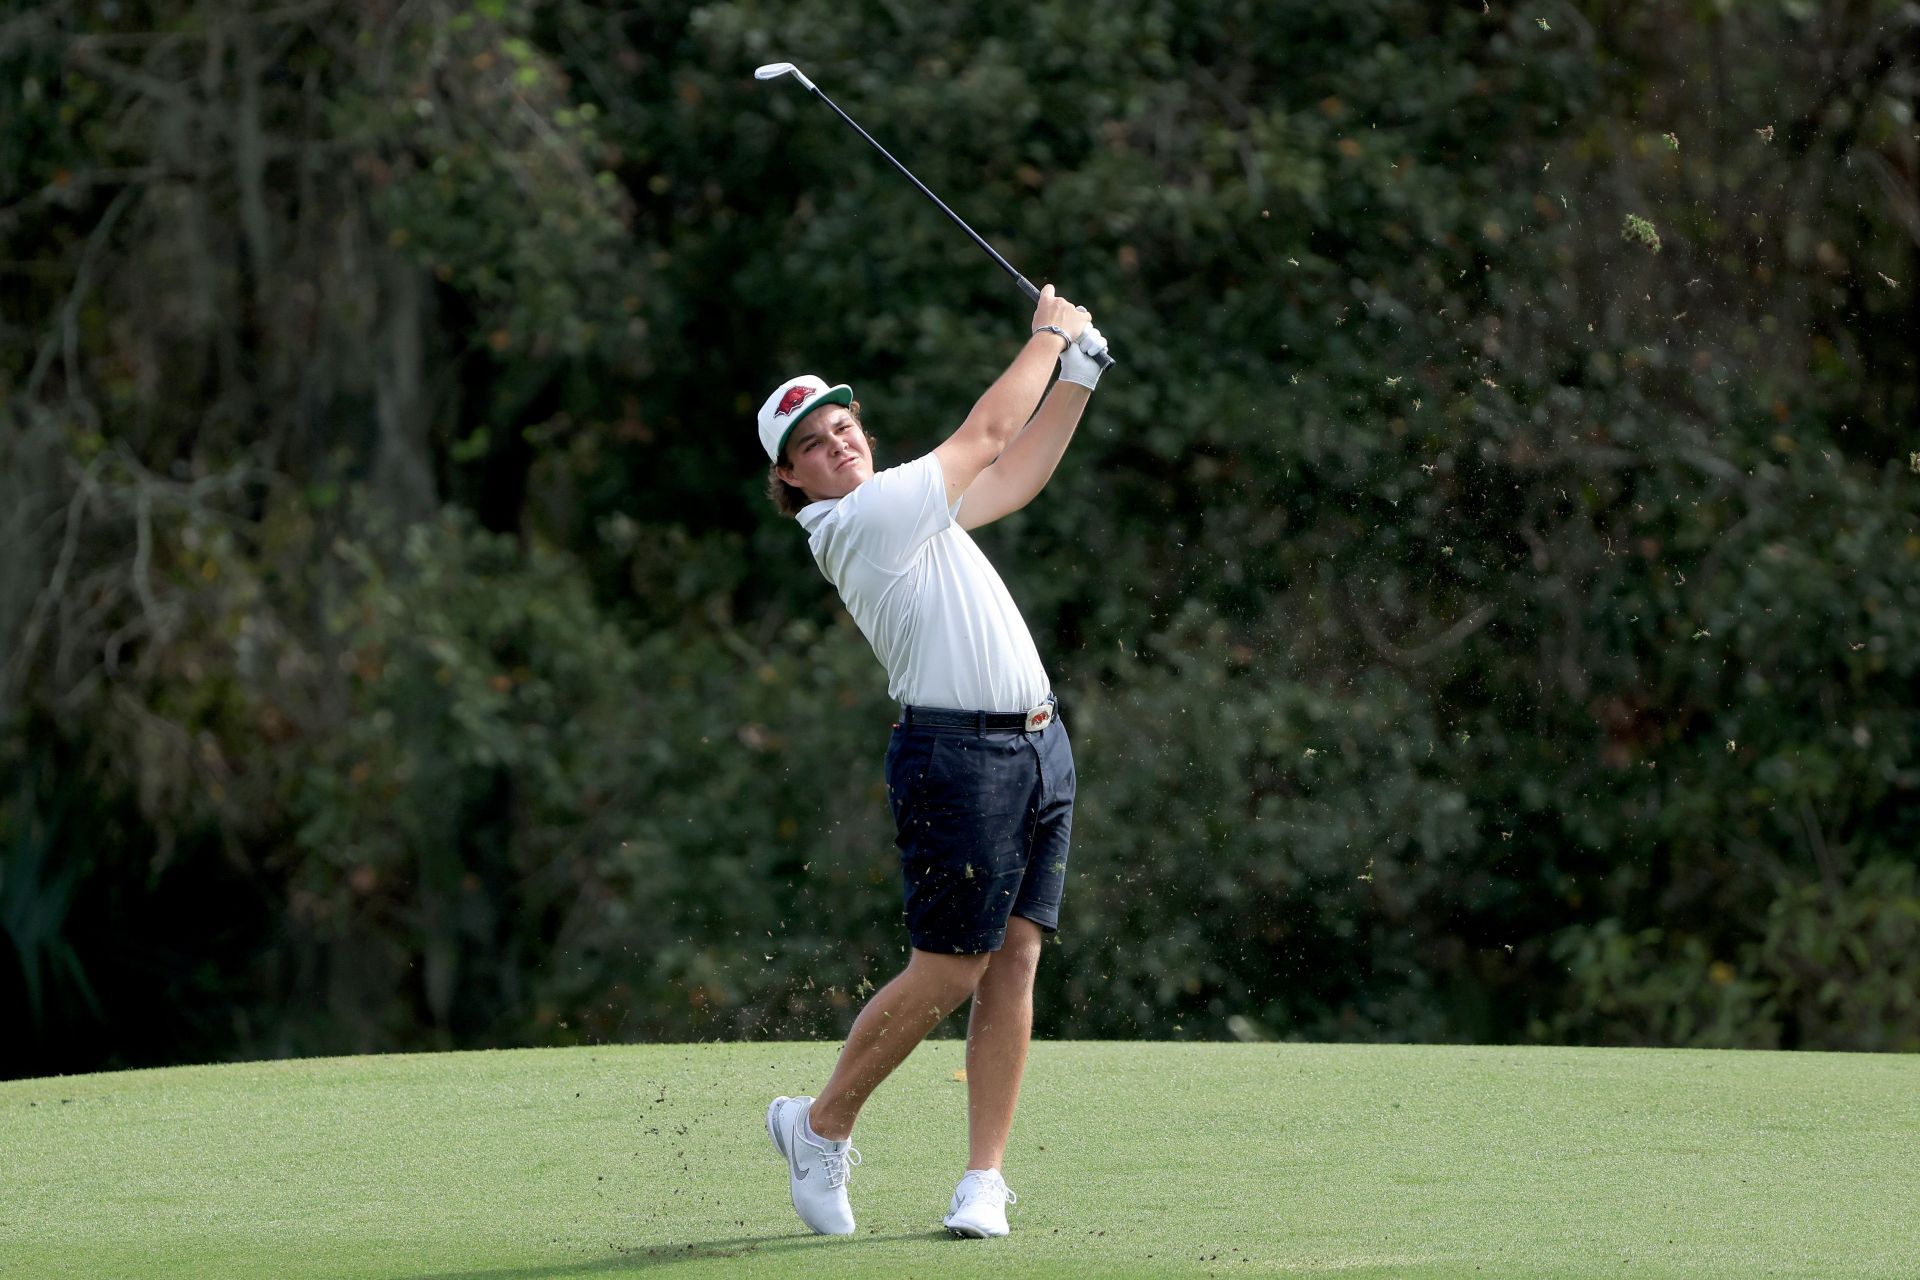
<point x="1472" y="625"/>
<point x="436" y="819"/>
<point x="36" y="897"/>
<point x="1834" y="968"/>
<point x="1845" y="966"/>
<point x="485" y="174"/>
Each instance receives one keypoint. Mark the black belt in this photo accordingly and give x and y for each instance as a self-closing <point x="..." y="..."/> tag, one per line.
<point x="1031" y="721"/>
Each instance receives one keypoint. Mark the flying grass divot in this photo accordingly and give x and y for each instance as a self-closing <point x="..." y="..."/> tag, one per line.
<point x="1129" y="1159"/>
<point x="1639" y="229"/>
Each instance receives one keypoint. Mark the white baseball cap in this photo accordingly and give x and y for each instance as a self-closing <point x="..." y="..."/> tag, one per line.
<point x="793" y="400"/>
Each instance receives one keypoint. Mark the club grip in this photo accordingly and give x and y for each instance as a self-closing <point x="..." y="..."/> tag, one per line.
<point x="1098" y="355"/>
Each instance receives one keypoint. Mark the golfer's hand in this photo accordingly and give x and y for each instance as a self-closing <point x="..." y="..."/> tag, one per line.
<point x="1077" y="364"/>
<point x="1055" y="310"/>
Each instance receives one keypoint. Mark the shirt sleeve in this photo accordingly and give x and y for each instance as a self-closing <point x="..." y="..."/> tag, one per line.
<point x="890" y="517"/>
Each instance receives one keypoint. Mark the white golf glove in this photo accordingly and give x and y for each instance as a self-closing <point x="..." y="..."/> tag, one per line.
<point x="1077" y="364"/>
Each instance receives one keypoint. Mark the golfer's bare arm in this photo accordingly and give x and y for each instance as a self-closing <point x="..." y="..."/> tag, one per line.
<point x="1024" y="467"/>
<point x="999" y="416"/>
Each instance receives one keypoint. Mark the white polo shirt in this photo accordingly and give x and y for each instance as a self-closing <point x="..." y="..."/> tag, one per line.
<point x="937" y="615"/>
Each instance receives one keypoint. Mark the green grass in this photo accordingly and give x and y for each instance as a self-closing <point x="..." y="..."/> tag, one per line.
<point x="1130" y="1160"/>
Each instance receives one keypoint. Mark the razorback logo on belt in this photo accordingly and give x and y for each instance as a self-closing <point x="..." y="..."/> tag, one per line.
<point x="795" y="397"/>
<point x="1039" y="717"/>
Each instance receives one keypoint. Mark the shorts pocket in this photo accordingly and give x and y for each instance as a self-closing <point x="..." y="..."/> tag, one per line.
<point x="909" y="762"/>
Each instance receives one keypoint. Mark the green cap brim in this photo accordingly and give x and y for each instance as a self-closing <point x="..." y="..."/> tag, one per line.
<point x="842" y="394"/>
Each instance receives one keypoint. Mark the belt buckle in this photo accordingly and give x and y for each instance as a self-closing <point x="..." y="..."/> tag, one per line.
<point x="1039" y="718"/>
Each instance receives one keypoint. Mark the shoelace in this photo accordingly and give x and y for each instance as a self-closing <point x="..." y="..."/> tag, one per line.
<point x="836" y="1162"/>
<point x="979" y="1186"/>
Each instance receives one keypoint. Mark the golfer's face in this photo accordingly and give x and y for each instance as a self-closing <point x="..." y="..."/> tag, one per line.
<point x="828" y="454"/>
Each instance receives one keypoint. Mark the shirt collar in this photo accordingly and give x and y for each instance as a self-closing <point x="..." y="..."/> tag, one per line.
<point x="814" y="512"/>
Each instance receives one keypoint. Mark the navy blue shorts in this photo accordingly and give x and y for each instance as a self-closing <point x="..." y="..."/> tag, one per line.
<point x="983" y="822"/>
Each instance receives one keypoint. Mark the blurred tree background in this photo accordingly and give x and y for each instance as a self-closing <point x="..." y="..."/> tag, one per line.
<point x="1485" y="595"/>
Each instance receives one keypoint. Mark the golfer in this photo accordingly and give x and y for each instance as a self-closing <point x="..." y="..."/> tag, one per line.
<point x="979" y="772"/>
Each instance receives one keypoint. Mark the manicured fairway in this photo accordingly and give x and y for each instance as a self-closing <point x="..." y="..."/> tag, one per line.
<point x="1130" y="1160"/>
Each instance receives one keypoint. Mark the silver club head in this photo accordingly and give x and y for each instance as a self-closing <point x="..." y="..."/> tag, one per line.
<point x="774" y="70"/>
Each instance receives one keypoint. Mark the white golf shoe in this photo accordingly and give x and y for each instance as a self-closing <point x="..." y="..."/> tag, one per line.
<point x="980" y="1203"/>
<point x="816" y="1171"/>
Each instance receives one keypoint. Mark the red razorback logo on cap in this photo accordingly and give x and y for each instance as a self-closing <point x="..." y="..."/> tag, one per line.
<point x="795" y="397"/>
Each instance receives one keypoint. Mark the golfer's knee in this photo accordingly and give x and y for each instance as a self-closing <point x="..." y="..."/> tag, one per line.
<point x="1023" y="943"/>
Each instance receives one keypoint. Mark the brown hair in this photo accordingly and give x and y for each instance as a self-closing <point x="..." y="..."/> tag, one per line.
<point x="788" y="499"/>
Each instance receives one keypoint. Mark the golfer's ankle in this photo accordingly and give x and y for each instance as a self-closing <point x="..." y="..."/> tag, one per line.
<point x="828" y="1124"/>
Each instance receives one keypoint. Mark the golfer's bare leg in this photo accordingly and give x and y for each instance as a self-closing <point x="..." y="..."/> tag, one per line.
<point x="894" y="1021"/>
<point x="998" y="1029"/>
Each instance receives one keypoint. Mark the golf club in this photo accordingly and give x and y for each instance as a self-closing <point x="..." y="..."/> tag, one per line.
<point x="774" y="70"/>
